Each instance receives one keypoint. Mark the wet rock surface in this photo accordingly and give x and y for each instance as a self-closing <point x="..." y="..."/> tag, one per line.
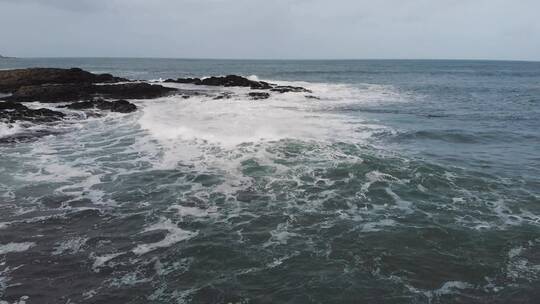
<point x="120" y="106"/>
<point x="76" y="92"/>
<point x="289" y="89"/>
<point x="225" y="81"/>
<point x="239" y="81"/>
<point x="259" y="95"/>
<point x="12" y="112"/>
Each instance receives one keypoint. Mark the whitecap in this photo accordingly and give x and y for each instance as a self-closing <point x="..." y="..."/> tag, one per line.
<point x="175" y="235"/>
<point x="100" y="261"/>
<point x="15" y="247"/>
<point x="186" y="211"/>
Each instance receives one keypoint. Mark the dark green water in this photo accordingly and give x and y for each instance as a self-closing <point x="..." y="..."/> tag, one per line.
<point x="407" y="182"/>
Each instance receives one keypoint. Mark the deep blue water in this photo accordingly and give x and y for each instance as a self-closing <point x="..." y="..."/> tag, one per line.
<point x="407" y="182"/>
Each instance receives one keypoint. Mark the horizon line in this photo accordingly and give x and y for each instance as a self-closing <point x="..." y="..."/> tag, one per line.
<point x="270" y="59"/>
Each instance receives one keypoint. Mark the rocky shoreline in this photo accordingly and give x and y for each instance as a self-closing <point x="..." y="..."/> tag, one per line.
<point x="85" y="91"/>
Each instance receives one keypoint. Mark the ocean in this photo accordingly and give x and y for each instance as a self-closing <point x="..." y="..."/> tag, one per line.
<point x="406" y="181"/>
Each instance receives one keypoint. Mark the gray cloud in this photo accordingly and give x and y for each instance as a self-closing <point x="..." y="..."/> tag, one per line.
<point x="490" y="29"/>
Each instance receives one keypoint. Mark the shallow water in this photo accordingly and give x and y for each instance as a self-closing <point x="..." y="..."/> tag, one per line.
<point x="407" y="182"/>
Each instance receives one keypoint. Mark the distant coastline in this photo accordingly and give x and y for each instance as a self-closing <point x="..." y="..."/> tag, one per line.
<point x="6" y="57"/>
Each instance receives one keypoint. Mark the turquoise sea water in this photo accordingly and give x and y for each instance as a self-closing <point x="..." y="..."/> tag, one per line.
<point x="406" y="182"/>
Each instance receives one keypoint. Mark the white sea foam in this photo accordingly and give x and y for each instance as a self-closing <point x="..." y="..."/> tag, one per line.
<point x="185" y="211"/>
<point x="239" y="120"/>
<point x="15" y="247"/>
<point x="277" y="262"/>
<point x="175" y="235"/>
<point x="9" y="129"/>
<point x="451" y="287"/>
<point x="70" y="246"/>
<point x="21" y="300"/>
<point x="519" y="267"/>
<point x="100" y="261"/>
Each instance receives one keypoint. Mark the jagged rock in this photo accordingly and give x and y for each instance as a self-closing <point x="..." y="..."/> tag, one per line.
<point x="259" y="95"/>
<point x="235" y="81"/>
<point x="12" y="80"/>
<point x="226" y="81"/>
<point x="287" y="89"/>
<point x="133" y="91"/>
<point x="312" y="97"/>
<point x="76" y="92"/>
<point x="196" y="81"/>
<point x="121" y="106"/>
<point x="11" y="112"/>
<point x="239" y="81"/>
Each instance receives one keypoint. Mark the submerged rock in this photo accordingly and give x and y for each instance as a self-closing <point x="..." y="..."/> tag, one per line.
<point x="259" y="95"/>
<point x="224" y="95"/>
<point x="288" y="89"/>
<point x="76" y="92"/>
<point x="121" y="106"/>
<point x="11" y="112"/>
<point x="12" y="80"/>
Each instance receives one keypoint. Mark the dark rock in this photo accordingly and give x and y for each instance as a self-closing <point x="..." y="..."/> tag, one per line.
<point x="12" y="112"/>
<point x="259" y="95"/>
<point x="226" y="81"/>
<point x="76" y="92"/>
<point x="287" y="89"/>
<point x="239" y="81"/>
<point x="312" y="97"/>
<point x="12" y="80"/>
<point x="133" y="91"/>
<point x="224" y="95"/>
<point x="27" y="135"/>
<point x="52" y="93"/>
<point x="121" y="106"/>
<point x="196" y="81"/>
<point x="235" y="81"/>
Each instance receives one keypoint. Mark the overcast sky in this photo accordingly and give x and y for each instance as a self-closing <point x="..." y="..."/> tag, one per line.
<point x="307" y="29"/>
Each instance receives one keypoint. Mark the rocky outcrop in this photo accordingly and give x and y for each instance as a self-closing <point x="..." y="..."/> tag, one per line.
<point x="11" y="112"/>
<point x="196" y="81"/>
<point x="93" y="93"/>
<point x="139" y="90"/>
<point x="226" y="81"/>
<point x="259" y="95"/>
<point x="12" y="80"/>
<point x="289" y="89"/>
<point x="235" y="81"/>
<point x="121" y="106"/>
<point x="89" y="92"/>
<point x="239" y="81"/>
<point x="51" y="93"/>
